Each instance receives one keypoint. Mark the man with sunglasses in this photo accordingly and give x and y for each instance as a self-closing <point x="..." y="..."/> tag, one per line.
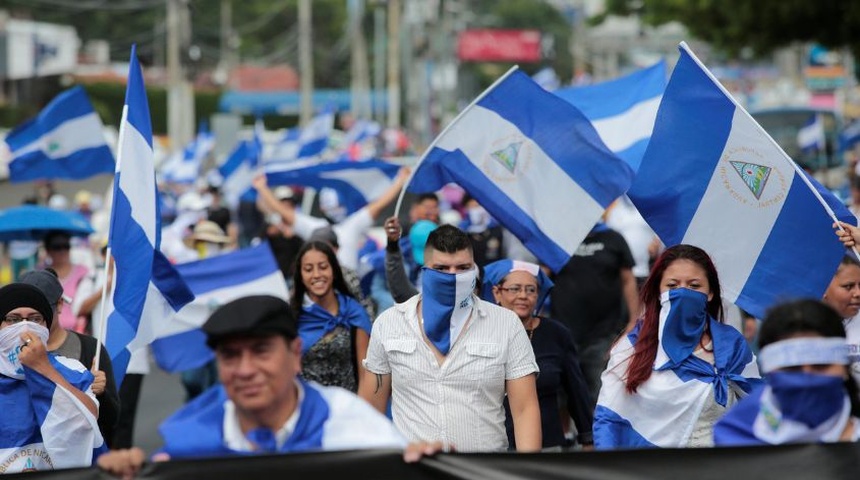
<point x="49" y="417"/>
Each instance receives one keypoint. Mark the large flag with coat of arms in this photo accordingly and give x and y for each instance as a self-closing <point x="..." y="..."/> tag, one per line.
<point x="712" y="177"/>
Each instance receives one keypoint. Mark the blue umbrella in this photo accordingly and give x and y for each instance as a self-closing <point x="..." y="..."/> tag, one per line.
<point x="32" y="222"/>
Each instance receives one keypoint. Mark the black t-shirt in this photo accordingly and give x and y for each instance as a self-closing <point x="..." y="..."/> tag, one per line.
<point x="487" y="245"/>
<point x="587" y="296"/>
<point x="221" y="216"/>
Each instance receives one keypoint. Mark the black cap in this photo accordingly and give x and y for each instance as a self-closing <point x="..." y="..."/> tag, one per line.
<point x="17" y="295"/>
<point x="47" y="282"/>
<point x="256" y="315"/>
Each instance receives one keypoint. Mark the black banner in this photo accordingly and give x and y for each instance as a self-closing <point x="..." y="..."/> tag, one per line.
<point x="838" y="461"/>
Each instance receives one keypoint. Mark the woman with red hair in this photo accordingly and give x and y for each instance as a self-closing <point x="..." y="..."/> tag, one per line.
<point x="677" y="371"/>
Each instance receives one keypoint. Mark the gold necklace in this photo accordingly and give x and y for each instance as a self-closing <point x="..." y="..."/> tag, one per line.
<point x="530" y="331"/>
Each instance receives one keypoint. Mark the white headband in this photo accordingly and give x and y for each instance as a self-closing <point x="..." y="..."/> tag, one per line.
<point x="803" y="351"/>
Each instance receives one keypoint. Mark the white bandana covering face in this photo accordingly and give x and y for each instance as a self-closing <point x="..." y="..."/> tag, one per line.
<point x="10" y="346"/>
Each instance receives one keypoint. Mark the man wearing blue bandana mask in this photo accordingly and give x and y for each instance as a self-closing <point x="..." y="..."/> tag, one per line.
<point x="809" y="396"/>
<point x="447" y="359"/>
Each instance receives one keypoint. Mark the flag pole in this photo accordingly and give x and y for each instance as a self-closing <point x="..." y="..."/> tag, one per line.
<point x="761" y="130"/>
<point x="444" y="131"/>
<point x="102" y="333"/>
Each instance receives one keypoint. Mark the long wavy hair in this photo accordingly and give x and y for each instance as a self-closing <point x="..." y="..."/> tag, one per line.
<point x="299" y="287"/>
<point x="645" y="350"/>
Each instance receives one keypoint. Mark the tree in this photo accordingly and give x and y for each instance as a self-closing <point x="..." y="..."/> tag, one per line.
<point x="761" y="25"/>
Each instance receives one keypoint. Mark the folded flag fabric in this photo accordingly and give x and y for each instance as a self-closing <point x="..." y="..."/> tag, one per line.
<point x="622" y="110"/>
<point x="810" y="137"/>
<point x="664" y="410"/>
<point x="45" y="427"/>
<point x="713" y="178"/>
<point x="66" y="140"/>
<point x="184" y="166"/>
<point x="531" y="159"/>
<point x="356" y="183"/>
<point x="147" y="289"/>
<point x="179" y="343"/>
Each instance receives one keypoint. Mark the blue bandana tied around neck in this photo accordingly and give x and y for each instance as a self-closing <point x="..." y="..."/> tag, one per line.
<point x="315" y="322"/>
<point x="446" y="304"/>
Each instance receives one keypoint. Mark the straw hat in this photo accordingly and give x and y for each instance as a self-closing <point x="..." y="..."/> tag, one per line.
<point x="208" y="231"/>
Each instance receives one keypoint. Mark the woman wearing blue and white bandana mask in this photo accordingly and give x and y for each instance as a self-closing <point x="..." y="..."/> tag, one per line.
<point x="49" y="410"/>
<point x="334" y="326"/>
<point x="679" y="369"/>
<point x="522" y="287"/>
<point x="809" y="395"/>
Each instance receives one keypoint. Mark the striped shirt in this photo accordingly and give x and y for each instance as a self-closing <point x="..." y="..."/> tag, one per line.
<point x="460" y="401"/>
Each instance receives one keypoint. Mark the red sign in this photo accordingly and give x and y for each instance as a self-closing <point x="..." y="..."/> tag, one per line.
<point x="499" y="46"/>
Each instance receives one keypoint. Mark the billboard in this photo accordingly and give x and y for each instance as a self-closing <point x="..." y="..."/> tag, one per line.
<point x="492" y="45"/>
<point x="35" y="49"/>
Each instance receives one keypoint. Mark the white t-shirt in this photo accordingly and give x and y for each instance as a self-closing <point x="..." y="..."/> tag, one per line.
<point x="626" y="220"/>
<point x="350" y="233"/>
<point x="852" y="333"/>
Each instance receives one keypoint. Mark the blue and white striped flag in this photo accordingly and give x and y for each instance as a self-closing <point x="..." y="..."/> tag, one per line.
<point x="810" y="137"/>
<point x="356" y="183"/>
<point x="46" y="427"/>
<point x="665" y="408"/>
<point x="314" y="136"/>
<point x="533" y="161"/>
<point x="147" y="289"/>
<point x="184" y="166"/>
<point x="359" y="142"/>
<point x="237" y="172"/>
<point x="622" y="110"/>
<point x="66" y="140"/>
<point x="180" y="344"/>
<point x="285" y="150"/>
<point x="850" y="135"/>
<point x="713" y="178"/>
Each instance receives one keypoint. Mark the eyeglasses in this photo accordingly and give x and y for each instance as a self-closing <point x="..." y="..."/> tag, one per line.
<point x="33" y="317"/>
<point x="530" y="290"/>
<point x="59" y="246"/>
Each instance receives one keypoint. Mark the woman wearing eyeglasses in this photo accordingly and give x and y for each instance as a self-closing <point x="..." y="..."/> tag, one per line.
<point x="522" y="287"/>
<point x="58" y="246"/>
<point x="49" y="409"/>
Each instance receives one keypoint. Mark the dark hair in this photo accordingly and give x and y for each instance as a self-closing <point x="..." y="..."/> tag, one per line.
<point x="848" y="260"/>
<point x="299" y="289"/>
<point x="807" y="316"/>
<point x="645" y="350"/>
<point x="427" y="196"/>
<point x="55" y="234"/>
<point x="448" y="239"/>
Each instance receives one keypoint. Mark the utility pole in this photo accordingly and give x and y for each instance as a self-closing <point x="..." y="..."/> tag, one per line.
<point x="360" y="82"/>
<point x="226" y="62"/>
<point x="180" y="92"/>
<point x="393" y="63"/>
<point x="306" y="63"/>
<point x="378" y="59"/>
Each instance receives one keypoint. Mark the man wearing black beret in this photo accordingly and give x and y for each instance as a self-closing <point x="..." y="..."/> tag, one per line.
<point x="262" y="405"/>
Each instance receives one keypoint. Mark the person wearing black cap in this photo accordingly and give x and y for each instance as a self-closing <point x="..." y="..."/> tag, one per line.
<point x="262" y="405"/>
<point x="81" y="347"/>
<point x="49" y="410"/>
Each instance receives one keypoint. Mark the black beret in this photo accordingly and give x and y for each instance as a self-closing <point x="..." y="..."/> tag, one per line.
<point x="255" y="315"/>
<point x="17" y="295"/>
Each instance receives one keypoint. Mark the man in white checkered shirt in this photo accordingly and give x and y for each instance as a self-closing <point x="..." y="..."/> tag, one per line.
<point x="447" y="359"/>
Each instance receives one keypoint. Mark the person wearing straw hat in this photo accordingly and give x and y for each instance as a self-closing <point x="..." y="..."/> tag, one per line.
<point x="81" y="347"/>
<point x="209" y="239"/>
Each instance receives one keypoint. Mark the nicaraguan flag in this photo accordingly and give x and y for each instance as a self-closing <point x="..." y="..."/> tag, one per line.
<point x="147" y="289"/>
<point x="180" y="344"/>
<point x="810" y="137"/>
<point x="314" y="137"/>
<point x="46" y="427"/>
<point x="64" y="141"/>
<point x="533" y="161"/>
<point x="184" y="167"/>
<point x="356" y="183"/>
<point x="713" y="178"/>
<point x="850" y="135"/>
<point x="239" y="169"/>
<point x="286" y="149"/>
<point x="622" y="110"/>
<point x="665" y="408"/>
